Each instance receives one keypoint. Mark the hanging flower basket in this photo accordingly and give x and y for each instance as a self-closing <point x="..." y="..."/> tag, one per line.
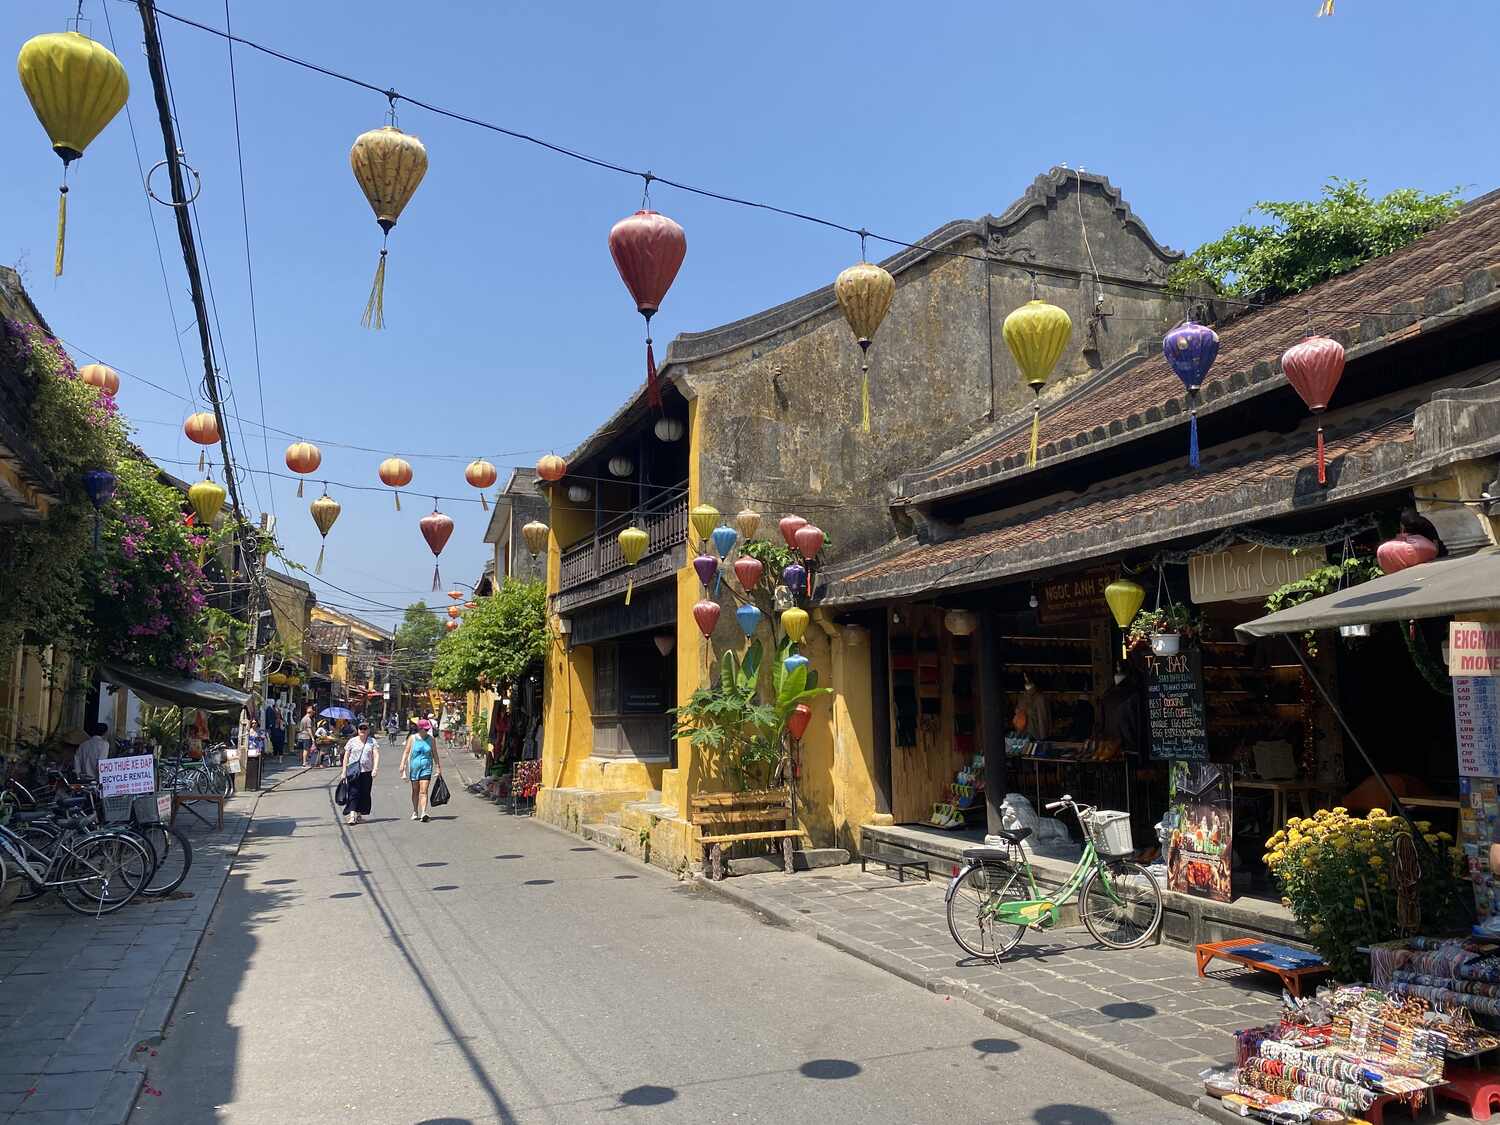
<point x="1166" y="644"/>
<point x="1162" y="630"/>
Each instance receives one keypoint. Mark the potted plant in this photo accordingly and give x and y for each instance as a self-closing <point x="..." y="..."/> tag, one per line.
<point x="1161" y="629"/>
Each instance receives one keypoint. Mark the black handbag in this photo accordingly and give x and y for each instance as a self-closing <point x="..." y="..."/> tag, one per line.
<point x="439" y="794"/>
<point x="341" y="792"/>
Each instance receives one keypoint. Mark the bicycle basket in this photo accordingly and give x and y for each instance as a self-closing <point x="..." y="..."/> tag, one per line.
<point x="1110" y="832"/>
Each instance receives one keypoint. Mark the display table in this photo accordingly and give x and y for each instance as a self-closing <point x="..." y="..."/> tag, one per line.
<point x="1291" y="978"/>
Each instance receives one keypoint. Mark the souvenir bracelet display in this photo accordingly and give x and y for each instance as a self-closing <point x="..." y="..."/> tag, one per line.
<point x="1340" y="1055"/>
<point x="1458" y="972"/>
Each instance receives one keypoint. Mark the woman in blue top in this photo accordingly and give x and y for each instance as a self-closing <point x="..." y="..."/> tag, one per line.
<point x="419" y="762"/>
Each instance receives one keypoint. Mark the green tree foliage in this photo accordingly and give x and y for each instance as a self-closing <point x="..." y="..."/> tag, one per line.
<point x="416" y="644"/>
<point x="502" y="639"/>
<point x="1308" y="241"/>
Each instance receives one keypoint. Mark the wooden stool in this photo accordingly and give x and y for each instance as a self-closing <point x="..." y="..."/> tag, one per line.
<point x="188" y="800"/>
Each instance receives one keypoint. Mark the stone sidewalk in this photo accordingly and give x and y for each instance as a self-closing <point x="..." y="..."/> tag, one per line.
<point x="82" y="1001"/>
<point x="1143" y="1015"/>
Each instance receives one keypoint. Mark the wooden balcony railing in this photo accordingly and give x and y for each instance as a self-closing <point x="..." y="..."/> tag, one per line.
<point x="664" y="518"/>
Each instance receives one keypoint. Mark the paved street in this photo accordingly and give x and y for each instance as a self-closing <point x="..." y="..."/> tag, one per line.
<point x="484" y="968"/>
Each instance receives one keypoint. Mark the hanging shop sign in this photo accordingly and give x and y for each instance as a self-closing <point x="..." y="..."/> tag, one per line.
<point x="1199" y="831"/>
<point x="1246" y="572"/>
<point x="1473" y="650"/>
<point x="1175" y="694"/>
<point x="123" y="777"/>
<point x="1076" y="597"/>
<point x="1476" y="718"/>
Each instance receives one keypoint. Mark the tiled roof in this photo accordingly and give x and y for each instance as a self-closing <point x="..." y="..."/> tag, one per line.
<point x="1467" y="243"/>
<point x="325" y="636"/>
<point x="1153" y="506"/>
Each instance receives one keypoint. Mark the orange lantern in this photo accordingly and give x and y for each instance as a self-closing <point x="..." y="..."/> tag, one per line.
<point x="303" y="457"/>
<point x="481" y="474"/>
<point x="454" y="611"/>
<point x="471" y="604"/>
<point x="456" y="595"/>
<point x="452" y="625"/>
<point x="98" y="375"/>
<point x="202" y="428"/>
<point x="552" y="467"/>
<point x="395" y="473"/>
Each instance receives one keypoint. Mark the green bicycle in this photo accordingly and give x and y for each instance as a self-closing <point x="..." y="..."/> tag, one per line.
<point x="994" y="899"/>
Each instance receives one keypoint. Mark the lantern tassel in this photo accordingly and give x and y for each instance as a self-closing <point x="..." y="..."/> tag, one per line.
<point x="1036" y="429"/>
<point x="299" y="489"/>
<point x="398" y="501"/>
<point x="864" y="398"/>
<point x="322" y="547"/>
<point x="484" y="505"/>
<point x="62" y="228"/>
<point x="809" y="577"/>
<point x="1193" y="439"/>
<point x="375" y="307"/>
<point x="653" y="386"/>
<point x="629" y="589"/>
<point x="437" y="579"/>
<point x="1322" y="463"/>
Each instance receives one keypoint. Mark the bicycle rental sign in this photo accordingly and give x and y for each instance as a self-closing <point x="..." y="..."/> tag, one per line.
<point x="127" y="777"/>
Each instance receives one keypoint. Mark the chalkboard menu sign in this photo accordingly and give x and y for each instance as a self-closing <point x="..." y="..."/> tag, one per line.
<point x="1175" y="688"/>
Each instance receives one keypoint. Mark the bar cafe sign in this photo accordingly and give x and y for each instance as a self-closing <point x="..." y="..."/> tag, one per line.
<point x="1473" y="648"/>
<point x="1249" y="573"/>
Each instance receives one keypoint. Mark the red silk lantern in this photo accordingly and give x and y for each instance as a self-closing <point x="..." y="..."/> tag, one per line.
<point x="790" y="525"/>
<point x="456" y="595"/>
<point x="1314" y="368"/>
<point x="395" y="473"/>
<point x="481" y="474"/>
<point x="452" y="625"/>
<point x="303" y="457"/>
<point x="796" y="722"/>
<point x="706" y="613"/>
<point x="648" y="249"/>
<point x="454" y="611"/>
<point x="1404" y="551"/>
<point x="809" y="541"/>
<point x="551" y="467"/>
<point x="748" y="570"/>
<point x="202" y="428"/>
<point x="436" y="528"/>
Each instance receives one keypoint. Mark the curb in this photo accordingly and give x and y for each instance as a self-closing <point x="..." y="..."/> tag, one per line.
<point x="124" y="1089"/>
<point x="1016" y="1019"/>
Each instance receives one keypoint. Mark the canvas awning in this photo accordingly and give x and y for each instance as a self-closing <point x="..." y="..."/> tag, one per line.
<point x="1444" y="588"/>
<point x="162" y="690"/>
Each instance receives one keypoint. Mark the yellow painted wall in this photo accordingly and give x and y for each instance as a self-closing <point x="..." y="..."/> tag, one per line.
<point x="677" y="784"/>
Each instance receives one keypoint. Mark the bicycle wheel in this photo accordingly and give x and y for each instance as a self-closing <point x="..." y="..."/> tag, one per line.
<point x="971" y="905"/>
<point x="43" y="838"/>
<point x="1120" y="903"/>
<point x="174" y="857"/>
<point x="104" y="872"/>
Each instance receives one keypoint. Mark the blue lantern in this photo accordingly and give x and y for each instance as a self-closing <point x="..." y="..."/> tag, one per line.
<point x="100" y="485"/>
<point x="795" y="661"/>
<point x="794" y="577"/>
<point x="1190" y="350"/>
<point x="749" y="618"/>
<point x="724" y="538"/>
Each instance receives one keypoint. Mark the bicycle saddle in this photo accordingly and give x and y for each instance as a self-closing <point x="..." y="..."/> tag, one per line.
<point x="1012" y="835"/>
<point x="71" y="804"/>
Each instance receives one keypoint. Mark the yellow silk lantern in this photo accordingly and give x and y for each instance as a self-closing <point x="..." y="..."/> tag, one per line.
<point x="705" y="518"/>
<point x="388" y="164"/>
<point x="325" y="509"/>
<point x="794" y="622"/>
<point x="1036" y="334"/>
<point x="207" y="499"/>
<point x="864" y="292"/>
<point x="535" y="534"/>
<point x="633" y="543"/>
<point x="747" y="523"/>
<point x="1125" y="599"/>
<point x="76" y="86"/>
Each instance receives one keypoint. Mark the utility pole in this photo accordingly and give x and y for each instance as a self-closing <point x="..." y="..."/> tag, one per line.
<point x="248" y="540"/>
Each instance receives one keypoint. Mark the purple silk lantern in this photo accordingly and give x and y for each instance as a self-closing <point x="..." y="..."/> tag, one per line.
<point x="100" y="485"/>
<point x="794" y="577"/>
<point x="707" y="566"/>
<point x="1190" y="350"/>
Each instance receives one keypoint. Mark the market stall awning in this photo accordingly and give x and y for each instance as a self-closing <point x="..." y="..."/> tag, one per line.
<point x="162" y="690"/>
<point x="1445" y="588"/>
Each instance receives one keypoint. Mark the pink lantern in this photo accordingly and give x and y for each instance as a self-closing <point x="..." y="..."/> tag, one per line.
<point x="706" y="613"/>
<point x="1314" y="368"/>
<point x="1404" y="551"/>
<point x="809" y="541"/>
<point x="749" y="571"/>
<point x="789" y="527"/>
<point x="796" y="722"/>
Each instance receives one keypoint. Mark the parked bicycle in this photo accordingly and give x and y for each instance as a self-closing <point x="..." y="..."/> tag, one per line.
<point x="994" y="899"/>
<point x="94" y="871"/>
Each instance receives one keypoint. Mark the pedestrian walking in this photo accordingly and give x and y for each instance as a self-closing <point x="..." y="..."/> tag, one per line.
<point x="305" y="734"/>
<point x="276" y="730"/>
<point x="361" y="764"/>
<point x="391" y="727"/>
<point x="420" y="764"/>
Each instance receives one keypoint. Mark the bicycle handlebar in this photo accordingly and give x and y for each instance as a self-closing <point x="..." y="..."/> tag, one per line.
<point x="1067" y="799"/>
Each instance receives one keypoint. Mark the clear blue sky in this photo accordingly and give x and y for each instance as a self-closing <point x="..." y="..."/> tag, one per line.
<point x="508" y="329"/>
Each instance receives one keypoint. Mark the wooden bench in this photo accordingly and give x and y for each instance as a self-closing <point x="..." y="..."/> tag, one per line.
<point x="188" y="800"/>
<point x="897" y="863"/>
<point x="730" y="818"/>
